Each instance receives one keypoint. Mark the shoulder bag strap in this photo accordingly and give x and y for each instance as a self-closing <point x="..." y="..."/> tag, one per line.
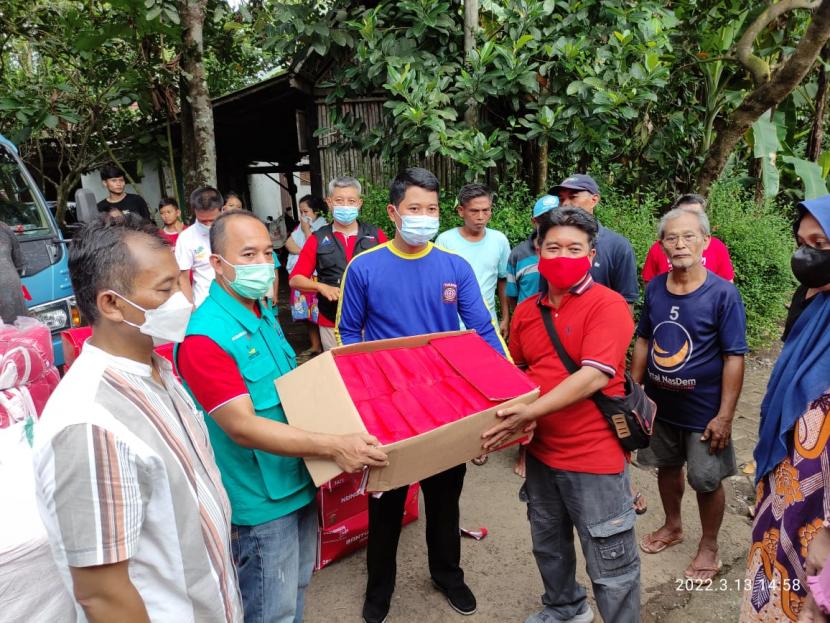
<point x="564" y="357"/>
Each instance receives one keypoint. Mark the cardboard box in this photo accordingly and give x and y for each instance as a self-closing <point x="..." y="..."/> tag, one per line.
<point x="340" y="499"/>
<point x="315" y="398"/>
<point x="352" y="534"/>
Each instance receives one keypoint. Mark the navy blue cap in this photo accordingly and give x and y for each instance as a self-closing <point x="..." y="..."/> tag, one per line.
<point x="577" y="181"/>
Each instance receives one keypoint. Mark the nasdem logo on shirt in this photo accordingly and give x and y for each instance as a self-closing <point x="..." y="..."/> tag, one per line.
<point x="449" y="293"/>
<point x="671" y="346"/>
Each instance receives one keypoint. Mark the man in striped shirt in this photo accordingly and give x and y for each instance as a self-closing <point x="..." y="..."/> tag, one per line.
<point x="128" y="489"/>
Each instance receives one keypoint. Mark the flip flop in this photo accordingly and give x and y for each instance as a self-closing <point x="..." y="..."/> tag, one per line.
<point x="640" y="511"/>
<point x="713" y="570"/>
<point x="656" y="544"/>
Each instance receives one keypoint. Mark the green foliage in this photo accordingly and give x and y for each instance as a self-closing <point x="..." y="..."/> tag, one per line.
<point x="759" y="238"/>
<point x="629" y="90"/>
<point x="760" y="241"/>
<point x="82" y="83"/>
<point x="633" y="217"/>
<point x="580" y="75"/>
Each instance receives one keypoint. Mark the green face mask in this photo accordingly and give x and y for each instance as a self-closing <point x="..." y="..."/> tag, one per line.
<point x="252" y="281"/>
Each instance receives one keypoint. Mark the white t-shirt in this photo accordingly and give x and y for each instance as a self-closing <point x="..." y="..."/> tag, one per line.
<point x="193" y="253"/>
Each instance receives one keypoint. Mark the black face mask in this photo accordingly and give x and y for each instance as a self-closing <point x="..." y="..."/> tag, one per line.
<point x="811" y="266"/>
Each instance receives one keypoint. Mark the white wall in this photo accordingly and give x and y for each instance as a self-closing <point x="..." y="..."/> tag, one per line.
<point x="266" y="195"/>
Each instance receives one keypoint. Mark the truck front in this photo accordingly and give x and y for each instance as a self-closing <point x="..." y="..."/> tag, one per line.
<point x="46" y="276"/>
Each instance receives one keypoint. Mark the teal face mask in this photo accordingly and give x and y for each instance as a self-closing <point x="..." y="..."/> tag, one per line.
<point x="345" y="215"/>
<point x="252" y="281"/>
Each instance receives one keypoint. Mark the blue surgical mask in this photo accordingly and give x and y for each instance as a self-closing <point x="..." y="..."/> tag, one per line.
<point x="205" y="229"/>
<point x="252" y="281"/>
<point x="345" y="215"/>
<point x="418" y="229"/>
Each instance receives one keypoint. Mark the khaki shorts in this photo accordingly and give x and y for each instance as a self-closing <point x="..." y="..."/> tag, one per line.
<point x="327" y="338"/>
<point x="672" y="446"/>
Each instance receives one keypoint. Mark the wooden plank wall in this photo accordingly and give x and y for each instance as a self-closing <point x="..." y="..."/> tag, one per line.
<point x="334" y="162"/>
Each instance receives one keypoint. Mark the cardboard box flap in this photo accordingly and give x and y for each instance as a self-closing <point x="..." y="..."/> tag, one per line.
<point x="316" y="399"/>
<point x="416" y="458"/>
<point x="395" y="342"/>
<point x="483" y="368"/>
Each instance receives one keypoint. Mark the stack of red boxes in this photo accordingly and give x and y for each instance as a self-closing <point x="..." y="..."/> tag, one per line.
<point x="344" y="517"/>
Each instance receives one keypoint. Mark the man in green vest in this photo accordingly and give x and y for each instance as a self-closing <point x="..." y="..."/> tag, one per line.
<point x="233" y="351"/>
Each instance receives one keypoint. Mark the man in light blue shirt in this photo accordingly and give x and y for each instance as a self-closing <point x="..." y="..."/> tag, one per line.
<point x="485" y="249"/>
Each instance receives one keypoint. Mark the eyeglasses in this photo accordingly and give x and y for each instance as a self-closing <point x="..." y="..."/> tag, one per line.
<point x="687" y="239"/>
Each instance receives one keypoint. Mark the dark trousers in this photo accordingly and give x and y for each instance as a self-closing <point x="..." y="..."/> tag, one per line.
<point x="441" y="494"/>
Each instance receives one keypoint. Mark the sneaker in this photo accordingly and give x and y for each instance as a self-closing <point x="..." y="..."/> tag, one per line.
<point x="375" y="612"/>
<point x="460" y="598"/>
<point x="546" y="616"/>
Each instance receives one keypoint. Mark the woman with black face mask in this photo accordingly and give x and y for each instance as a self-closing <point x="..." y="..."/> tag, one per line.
<point x="810" y="264"/>
<point x="790" y="535"/>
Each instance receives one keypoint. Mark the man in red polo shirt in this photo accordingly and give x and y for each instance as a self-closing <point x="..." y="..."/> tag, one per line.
<point x="575" y="466"/>
<point x="328" y="251"/>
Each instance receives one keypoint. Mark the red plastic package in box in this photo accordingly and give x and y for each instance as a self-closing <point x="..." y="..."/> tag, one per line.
<point x="73" y="342"/>
<point x="30" y="333"/>
<point x="18" y="403"/>
<point x="337" y="541"/>
<point x="404" y="392"/>
<point x="341" y="498"/>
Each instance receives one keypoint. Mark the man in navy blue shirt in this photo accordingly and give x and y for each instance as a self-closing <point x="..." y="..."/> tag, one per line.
<point x="614" y="265"/>
<point x="691" y="342"/>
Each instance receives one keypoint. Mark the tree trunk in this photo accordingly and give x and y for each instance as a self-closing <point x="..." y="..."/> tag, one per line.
<point x="771" y="93"/>
<point x="470" y="31"/>
<point x="817" y="132"/>
<point x="188" y="150"/>
<point x="541" y="168"/>
<point x="201" y="132"/>
<point x="61" y="195"/>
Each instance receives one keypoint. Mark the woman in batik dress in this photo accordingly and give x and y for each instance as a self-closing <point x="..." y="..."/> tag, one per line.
<point x="792" y="456"/>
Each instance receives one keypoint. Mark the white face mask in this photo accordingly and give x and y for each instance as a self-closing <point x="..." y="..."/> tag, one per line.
<point x="418" y="229"/>
<point x="167" y="322"/>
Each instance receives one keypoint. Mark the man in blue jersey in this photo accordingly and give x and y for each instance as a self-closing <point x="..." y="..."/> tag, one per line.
<point x="408" y="286"/>
<point x="690" y="353"/>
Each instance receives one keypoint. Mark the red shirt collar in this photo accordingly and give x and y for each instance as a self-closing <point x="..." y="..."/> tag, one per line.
<point x="580" y="287"/>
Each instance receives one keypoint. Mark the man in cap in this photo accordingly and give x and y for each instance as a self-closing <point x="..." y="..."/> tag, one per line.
<point x="614" y="264"/>
<point x="522" y="274"/>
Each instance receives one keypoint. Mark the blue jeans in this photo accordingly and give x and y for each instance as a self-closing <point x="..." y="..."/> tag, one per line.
<point x="599" y="506"/>
<point x="274" y="562"/>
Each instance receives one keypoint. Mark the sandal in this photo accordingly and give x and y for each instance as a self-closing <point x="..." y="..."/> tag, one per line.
<point x="708" y="570"/>
<point x="638" y="498"/>
<point x="652" y="544"/>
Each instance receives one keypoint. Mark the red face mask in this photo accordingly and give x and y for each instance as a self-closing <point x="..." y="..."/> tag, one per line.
<point x="564" y="272"/>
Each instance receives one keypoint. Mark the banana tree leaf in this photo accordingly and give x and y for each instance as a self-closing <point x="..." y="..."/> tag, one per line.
<point x="765" y="136"/>
<point x="769" y="175"/>
<point x="810" y="174"/>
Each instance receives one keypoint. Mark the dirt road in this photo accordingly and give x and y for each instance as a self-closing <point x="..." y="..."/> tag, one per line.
<point x="501" y="571"/>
